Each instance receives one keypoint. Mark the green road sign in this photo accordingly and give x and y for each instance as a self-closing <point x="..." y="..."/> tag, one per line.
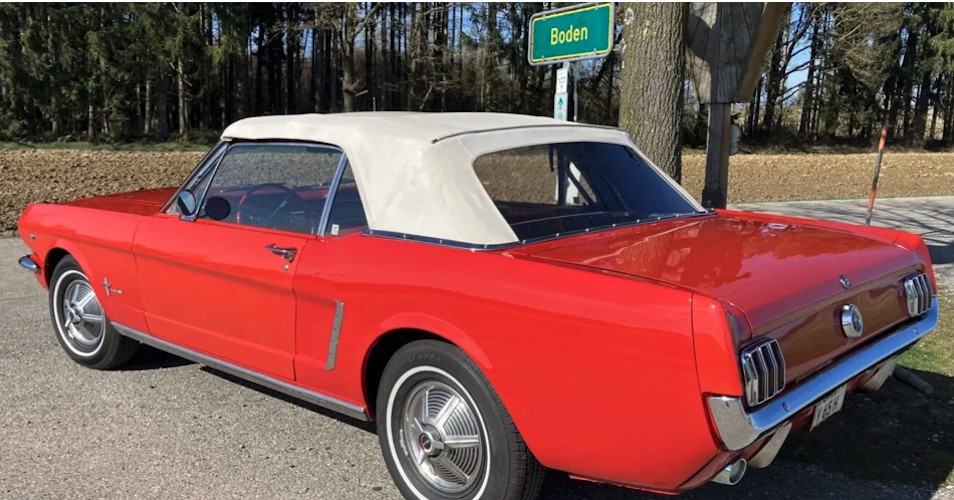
<point x="572" y="33"/>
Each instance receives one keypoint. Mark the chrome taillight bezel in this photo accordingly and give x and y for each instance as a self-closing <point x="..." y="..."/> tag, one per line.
<point x="763" y="371"/>
<point x="918" y="293"/>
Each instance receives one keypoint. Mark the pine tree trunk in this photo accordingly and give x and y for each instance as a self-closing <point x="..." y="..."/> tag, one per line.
<point x="808" y="96"/>
<point x="291" y="49"/>
<point x="772" y="85"/>
<point x="313" y="77"/>
<point x="910" y="56"/>
<point x="183" y="111"/>
<point x="147" y="110"/>
<point x="162" y="109"/>
<point x="348" y="36"/>
<point x="919" y="122"/>
<point x="259" y="90"/>
<point x="936" y="104"/>
<point x="651" y="95"/>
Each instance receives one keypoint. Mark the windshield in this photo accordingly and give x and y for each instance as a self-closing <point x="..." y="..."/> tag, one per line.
<point x="547" y="190"/>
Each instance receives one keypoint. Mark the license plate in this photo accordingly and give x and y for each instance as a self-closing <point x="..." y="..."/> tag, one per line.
<point x="828" y="406"/>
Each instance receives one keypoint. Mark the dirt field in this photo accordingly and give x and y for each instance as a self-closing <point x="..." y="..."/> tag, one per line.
<point x="785" y="177"/>
<point x="28" y="176"/>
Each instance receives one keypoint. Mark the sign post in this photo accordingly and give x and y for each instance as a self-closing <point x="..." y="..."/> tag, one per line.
<point x="726" y="43"/>
<point x="564" y="98"/>
<point x="570" y="34"/>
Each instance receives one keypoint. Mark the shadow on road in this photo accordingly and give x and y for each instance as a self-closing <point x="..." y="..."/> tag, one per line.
<point x="941" y="254"/>
<point x="365" y="426"/>
<point x="148" y="358"/>
<point x="895" y="435"/>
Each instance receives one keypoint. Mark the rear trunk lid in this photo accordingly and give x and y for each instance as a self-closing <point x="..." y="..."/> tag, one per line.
<point x="785" y="277"/>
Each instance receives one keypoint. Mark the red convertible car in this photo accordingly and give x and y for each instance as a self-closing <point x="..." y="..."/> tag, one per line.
<point x="502" y="294"/>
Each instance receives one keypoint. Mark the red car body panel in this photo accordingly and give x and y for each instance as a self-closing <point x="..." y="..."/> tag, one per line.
<point x="210" y="288"/>
<point x="779" y="273"/>
<point x="615" y="326"/>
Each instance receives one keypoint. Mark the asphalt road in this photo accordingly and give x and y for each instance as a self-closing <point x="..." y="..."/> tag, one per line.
<point x="167" y="429"/>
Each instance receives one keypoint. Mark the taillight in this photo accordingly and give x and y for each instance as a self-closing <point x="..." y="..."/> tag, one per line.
<point x="918" y="293"/>
<point x="763" y="371"/>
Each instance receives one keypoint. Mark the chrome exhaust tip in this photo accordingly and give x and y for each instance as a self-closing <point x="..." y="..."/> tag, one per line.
<point x="732" y="474"/>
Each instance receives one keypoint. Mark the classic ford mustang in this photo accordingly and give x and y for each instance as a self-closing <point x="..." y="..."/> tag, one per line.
<point x="501" y="293"/>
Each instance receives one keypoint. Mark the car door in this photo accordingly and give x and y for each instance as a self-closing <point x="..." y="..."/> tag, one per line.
<point x="219" y="280"/>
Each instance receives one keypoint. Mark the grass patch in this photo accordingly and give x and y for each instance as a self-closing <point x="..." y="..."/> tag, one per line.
<point x="104" y="146"/>
<point x="936" y="352"/>
<point x="896" y="434"/>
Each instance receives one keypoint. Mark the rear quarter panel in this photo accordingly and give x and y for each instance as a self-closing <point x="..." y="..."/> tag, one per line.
<point x="598" y="372"/>
<point x="100" y="241"/>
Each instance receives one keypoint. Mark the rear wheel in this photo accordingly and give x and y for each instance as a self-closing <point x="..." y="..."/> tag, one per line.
<point x="444" y="432"/>
<point x="80" y="323"/>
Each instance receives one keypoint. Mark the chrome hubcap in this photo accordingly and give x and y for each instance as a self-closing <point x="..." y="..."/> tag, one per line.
<point x="82" y="317"/>
<point x="441" y="435"/>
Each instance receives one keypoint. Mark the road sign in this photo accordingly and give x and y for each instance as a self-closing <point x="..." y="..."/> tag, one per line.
<point x="562" y="76"/>
<point x="560" y="104"/>
<point x="571" y="33"/>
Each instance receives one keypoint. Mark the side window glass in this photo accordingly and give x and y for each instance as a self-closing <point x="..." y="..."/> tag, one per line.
<point x="278" y="186"/>
<point x="347" y="213"/>
<point x="199" y="181"/>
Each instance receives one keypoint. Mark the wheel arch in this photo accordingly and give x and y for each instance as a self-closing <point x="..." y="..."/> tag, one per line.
<point x="403" y="330"/>
<point x="60" y="249"/>
<point x="53" y="257"/>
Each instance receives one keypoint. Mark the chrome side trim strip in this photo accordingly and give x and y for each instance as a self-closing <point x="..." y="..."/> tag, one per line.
<point x="334" y="404"/>
<point x="27" y="263"/>
<point x="335" y="330"/>
<point x="739" y="428"/>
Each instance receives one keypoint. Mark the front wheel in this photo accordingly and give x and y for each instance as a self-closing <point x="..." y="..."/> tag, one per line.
<point x="80" y="323"/>
<point x="445" y="433"/>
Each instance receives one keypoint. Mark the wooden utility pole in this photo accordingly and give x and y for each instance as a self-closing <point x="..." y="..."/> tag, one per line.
<point x="725" y="44"/>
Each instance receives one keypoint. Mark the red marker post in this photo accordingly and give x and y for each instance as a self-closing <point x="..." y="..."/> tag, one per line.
<point x="877" y="175"/>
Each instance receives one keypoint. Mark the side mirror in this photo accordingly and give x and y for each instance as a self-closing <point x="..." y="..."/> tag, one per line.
<point x="217" y="208"/>
<point x="186" y="203"/>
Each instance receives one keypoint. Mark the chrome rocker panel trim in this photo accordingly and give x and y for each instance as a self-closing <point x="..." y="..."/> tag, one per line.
<point x="328" y="402"/>
<point x="27" y="263"/>
<point x="738" y="428"/>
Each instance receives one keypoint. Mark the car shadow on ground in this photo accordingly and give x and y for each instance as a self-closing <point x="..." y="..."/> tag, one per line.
<point x="148" y="358"/>
<point x="890" y="444"/>
<point x="365" y="426"/>
<point x="893" y="443"/>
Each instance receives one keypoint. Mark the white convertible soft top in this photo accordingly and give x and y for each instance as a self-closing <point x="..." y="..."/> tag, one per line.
<point x="415" y="170"/>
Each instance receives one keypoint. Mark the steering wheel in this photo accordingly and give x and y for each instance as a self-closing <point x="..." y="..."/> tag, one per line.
<point x="289" y="193"/>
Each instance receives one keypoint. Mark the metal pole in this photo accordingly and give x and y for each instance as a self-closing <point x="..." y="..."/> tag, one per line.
<point x="570" y="92"/>
<point x="877" y="175"/>
<point x="576" y="101"/>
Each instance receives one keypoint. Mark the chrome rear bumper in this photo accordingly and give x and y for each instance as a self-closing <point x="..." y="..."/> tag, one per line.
<point x="739" y="428"/>
<point x="29" y="264"/>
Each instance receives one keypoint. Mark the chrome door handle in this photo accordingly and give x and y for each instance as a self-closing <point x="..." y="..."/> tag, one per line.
<point x="285" y="253"/>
